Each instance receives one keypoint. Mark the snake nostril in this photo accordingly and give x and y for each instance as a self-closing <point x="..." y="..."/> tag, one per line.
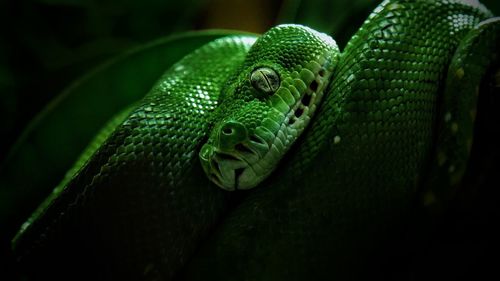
<point x="232" y="133"/>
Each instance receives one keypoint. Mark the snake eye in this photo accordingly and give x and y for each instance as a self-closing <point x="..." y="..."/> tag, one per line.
<point x="265" y="80"/>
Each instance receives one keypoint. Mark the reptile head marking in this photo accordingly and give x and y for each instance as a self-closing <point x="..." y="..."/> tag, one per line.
<point x="267" y="104"/>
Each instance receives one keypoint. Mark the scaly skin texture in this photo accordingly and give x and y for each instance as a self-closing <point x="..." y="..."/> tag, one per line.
<point x="369" y="148"/>
<point x="128" y="203"/>
<point x="397" y="104"/>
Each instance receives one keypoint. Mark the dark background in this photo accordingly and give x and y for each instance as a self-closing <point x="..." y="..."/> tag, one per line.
<point x="47" y="44"/>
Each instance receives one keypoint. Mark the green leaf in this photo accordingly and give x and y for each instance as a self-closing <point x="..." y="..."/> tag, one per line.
<point x="56" y="137"/>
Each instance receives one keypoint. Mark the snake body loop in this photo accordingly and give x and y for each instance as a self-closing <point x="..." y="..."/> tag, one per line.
<point x="334" y="147"/>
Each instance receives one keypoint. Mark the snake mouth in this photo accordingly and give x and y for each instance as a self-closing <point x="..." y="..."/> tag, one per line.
<point x="232" y="170"/>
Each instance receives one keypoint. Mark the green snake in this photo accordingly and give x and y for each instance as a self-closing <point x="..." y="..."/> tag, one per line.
<point x="332" y="148"/>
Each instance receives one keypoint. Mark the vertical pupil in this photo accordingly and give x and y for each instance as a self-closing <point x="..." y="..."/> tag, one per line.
<point x="266" y="86"/>
<point x="265" y="80"/>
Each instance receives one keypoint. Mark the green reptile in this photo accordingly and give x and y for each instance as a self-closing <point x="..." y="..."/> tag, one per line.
<point x="333" y="147"/>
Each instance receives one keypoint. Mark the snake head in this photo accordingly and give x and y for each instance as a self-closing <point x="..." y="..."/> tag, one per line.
<point x="266" y="105"/>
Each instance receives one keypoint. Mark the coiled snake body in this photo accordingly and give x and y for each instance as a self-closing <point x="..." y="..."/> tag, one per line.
<point x="335" y="143"/>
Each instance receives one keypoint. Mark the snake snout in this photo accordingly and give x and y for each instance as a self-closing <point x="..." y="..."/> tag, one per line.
<point x="227" y="160"/>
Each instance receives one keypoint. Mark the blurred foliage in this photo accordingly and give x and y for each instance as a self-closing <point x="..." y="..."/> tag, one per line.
<point x="46" y="44"/>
